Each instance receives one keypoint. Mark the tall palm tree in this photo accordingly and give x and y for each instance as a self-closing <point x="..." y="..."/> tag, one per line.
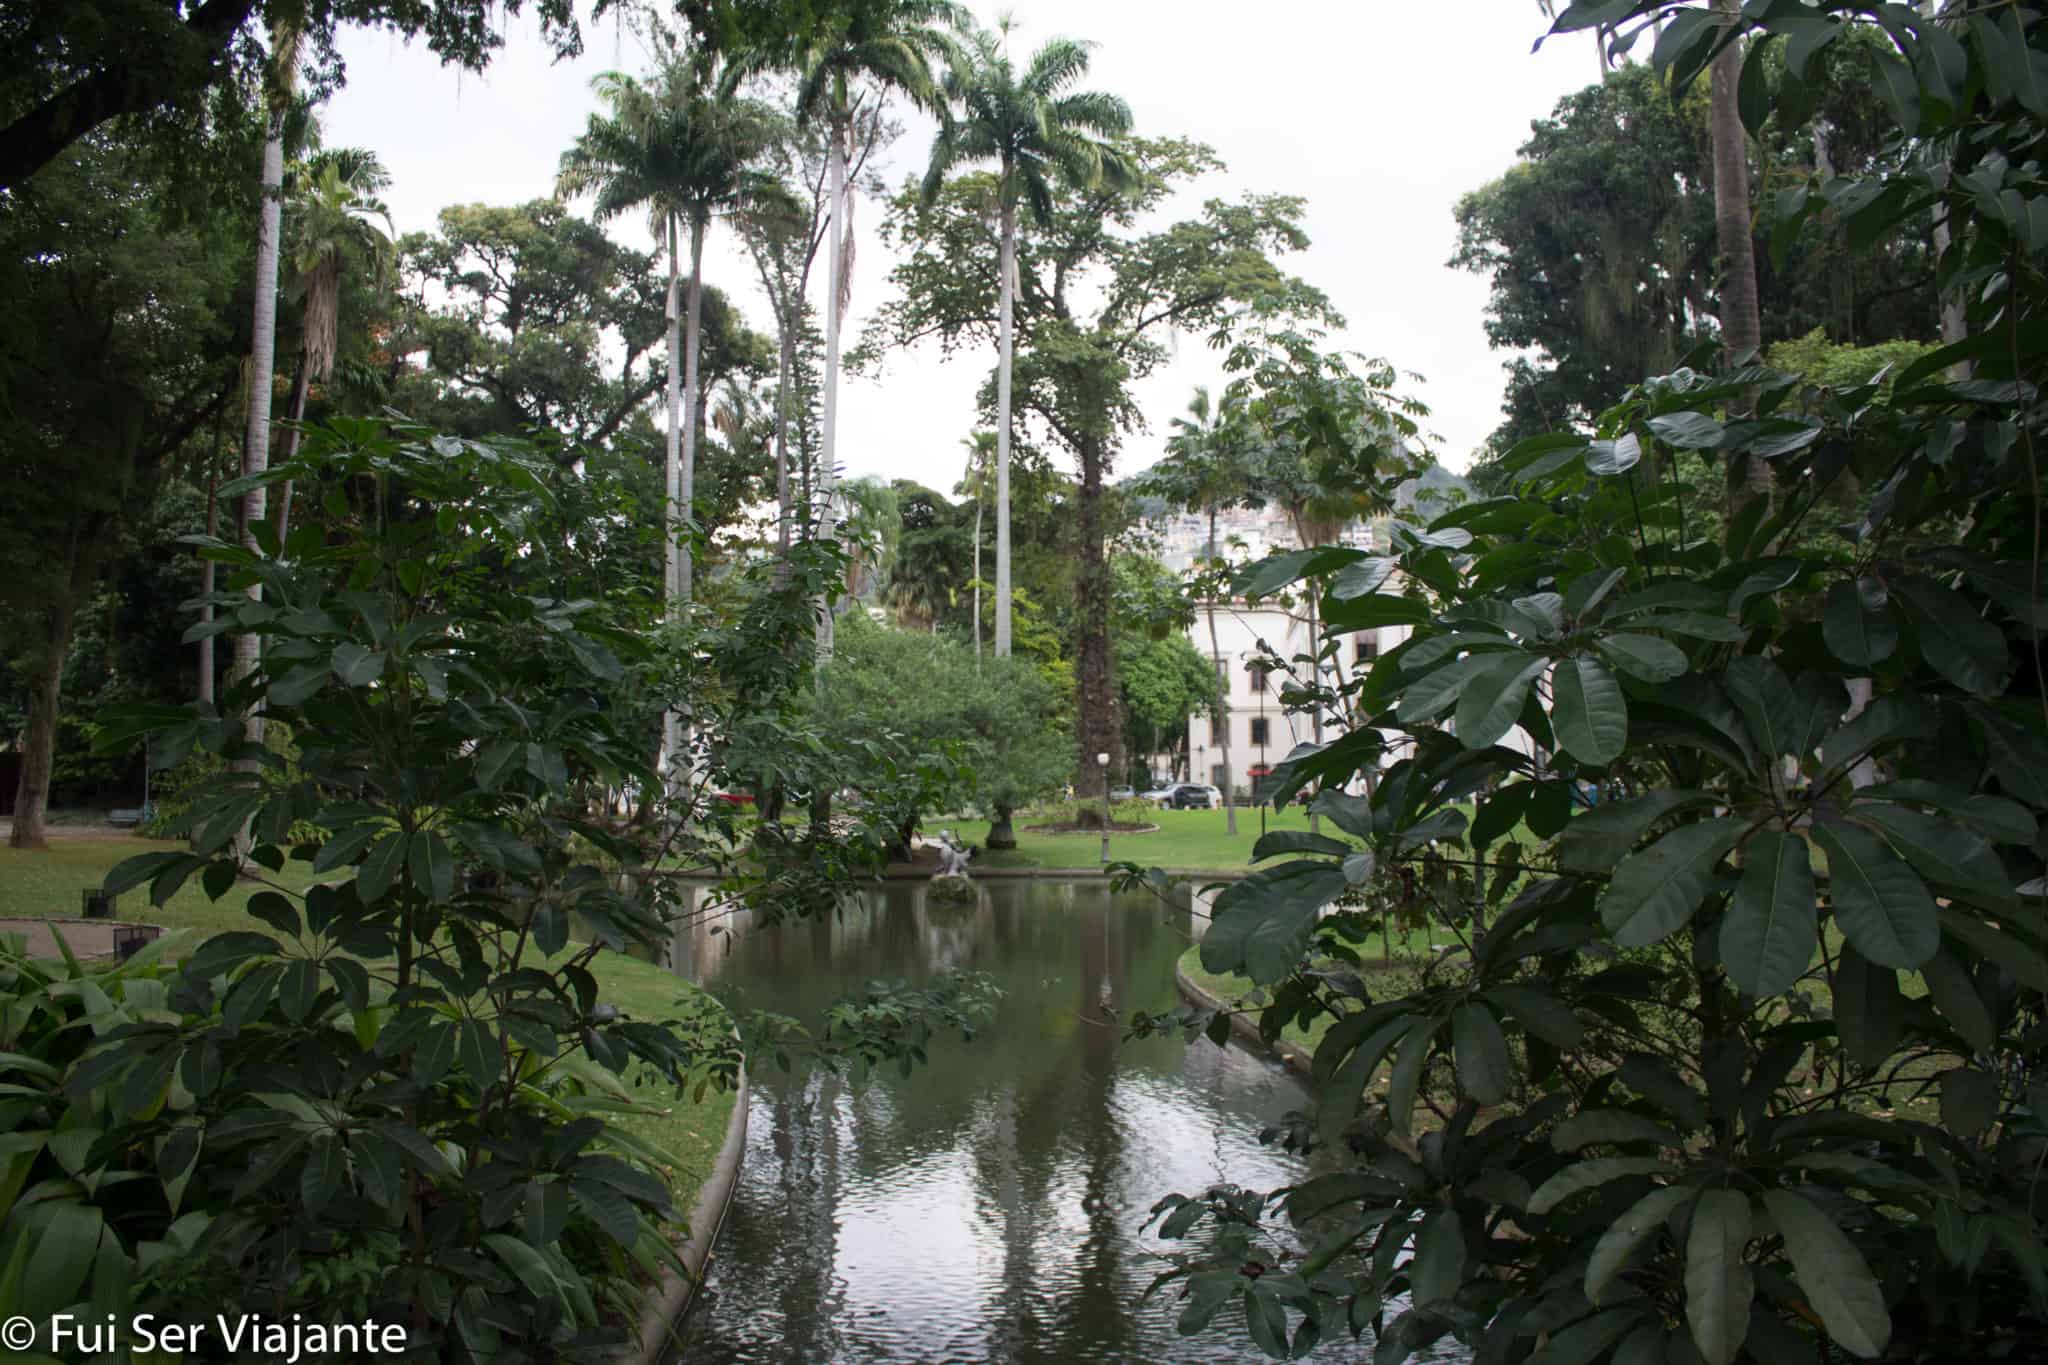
<point x="1036" y="129"/>
<point x="684" y="149"/>
<point x="891" y="45"/>
<point x="280" y="81"/>
<point x="335" y="233"/>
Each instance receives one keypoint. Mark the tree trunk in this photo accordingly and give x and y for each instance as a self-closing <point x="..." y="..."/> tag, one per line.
<point x="282" y="513"/>
<point x="206" y="566"/>
<point x="672" y="467"/>
<point x="693" y="405"/>
<point x="1094" y="669"/>
<point x="262" y="366"/>
<point x="1001" y="834"/>
<point x="835" y="285"/>
<point x="1741" y="327"/>
<point x="45" y="680"/>
<point x="1223" y="676"/>
<point x="977" y="575"/>
<point x="1005" y="345"/>
<point x="785" y="372"/>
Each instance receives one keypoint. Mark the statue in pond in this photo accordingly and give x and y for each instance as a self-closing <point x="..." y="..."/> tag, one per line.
<point x="951" y="881"/>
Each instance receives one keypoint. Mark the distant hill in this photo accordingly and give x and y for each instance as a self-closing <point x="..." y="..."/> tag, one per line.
<point x="1432" y="493"/>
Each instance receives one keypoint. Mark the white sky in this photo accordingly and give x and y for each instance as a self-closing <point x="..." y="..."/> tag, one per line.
<point x="1379" y="113"/>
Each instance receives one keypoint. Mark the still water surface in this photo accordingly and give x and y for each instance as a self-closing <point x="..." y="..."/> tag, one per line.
<point x="988" y="1207"/>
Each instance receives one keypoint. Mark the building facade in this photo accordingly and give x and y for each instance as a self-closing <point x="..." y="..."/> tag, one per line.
<point x="1261" y="731"/>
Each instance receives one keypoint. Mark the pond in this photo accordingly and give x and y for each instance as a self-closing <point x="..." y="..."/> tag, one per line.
<point x="988" y="1207"/>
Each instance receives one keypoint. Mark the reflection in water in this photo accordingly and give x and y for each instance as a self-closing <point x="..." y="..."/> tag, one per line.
<point x="986" y="1208"/>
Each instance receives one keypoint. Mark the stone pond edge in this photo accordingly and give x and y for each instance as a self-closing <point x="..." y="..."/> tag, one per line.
<point x="1293" y="1056"/>
<point x="672" y="1298"/>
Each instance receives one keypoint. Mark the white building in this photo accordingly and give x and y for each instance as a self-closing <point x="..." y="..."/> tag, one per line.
<point x="1261" y="730"/>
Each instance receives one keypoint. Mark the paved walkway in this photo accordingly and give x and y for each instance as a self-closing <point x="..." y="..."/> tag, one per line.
<point x="86" y="937"/>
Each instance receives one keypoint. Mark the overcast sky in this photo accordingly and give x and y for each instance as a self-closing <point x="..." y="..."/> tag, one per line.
<point x="1380" y="114"/>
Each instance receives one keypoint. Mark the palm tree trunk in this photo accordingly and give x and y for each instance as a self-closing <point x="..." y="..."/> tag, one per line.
<point x="674" y="560"/>
<point x="785" y="367"/>
<point x="282" y="513"/>
<point x="262" y="366"/>
<point x="1216" y="653"/>
<point x="1005" y="343"/>
<point x="1094" y="667"/>
<point x="977" y="577"/>
<point x="693" y="408"/>
<point x="1741" y="326"/>
<point x="835" y="285"/>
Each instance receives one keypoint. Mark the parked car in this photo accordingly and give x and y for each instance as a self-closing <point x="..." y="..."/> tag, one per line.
<point x="1195" y="796"/>
<point x="1122" y="793"/>
<point x="1158" y="795"/>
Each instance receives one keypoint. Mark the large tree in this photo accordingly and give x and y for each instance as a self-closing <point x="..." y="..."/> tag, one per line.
<point x="1599" y="244"/>
<point x="1039" y="132"/>
<point x="529" y="320"/>
<point x="852" y="52"/>
<point x="122" y="348"/>
<point x="67" y="68"/>
<point x="1097" y="295"/>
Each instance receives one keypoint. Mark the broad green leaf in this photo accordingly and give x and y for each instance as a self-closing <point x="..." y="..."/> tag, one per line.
<point x="1858" y="635"/>
<point x="1763" y="694"/>
<point x="1437" y="692"/>
<point x="1870" y="1014"/>
<point x="1595" y="841"/>
<point x="1489" y="704"/>
<point x="1589" y="711"/>
<point x="1643" y="656"/>
<point x="1583" y="1342"/>
<point x="1607" y="458"/>
<point x="1581" y="1176"/>
<point x="1718" y="1284"/>
<point x="1366" y="576"/>
<point x="1406" y="1077"/>
<point x="1657" y="890"/>
<point x="433" y="865"/>
<point x="1770" y="933"/>
<point x="1438" y="1268"/>
<point x="1837" y="1281"/>
<point x="357" y="666"/>
<point x="1941" y="849"/>
<point x="1696" y="625"/>
<point x="1957" y="642"/>
<point x="1888" y="720"/>
<point x="1261" y="925"/>
<point x="1969" y="1101"/>
<point x="1279" y="841"/>
<point x="1956" y="995"/>
<point x="64" y="1252"/>
<point x="1539" y="1013"/>
<point x="1589" y="1126"/>
<point x="1883" y="908"/>
<point x="1627" y="1232"/>
<point x="380" y="868"/>
<point x="1687" y="430"/>
<point x="2015" y="957"/>
<point x="1482" y="1053"/>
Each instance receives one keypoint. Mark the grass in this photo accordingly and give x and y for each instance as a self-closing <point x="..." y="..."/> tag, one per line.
<point x="46" y="885"/>
<point x="1191" y="840"/>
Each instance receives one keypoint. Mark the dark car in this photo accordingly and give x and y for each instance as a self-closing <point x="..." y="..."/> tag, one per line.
<point x="1194" y="796"/>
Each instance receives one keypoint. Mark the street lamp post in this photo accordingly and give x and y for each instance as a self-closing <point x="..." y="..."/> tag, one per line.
<point x="1102" y="762"/>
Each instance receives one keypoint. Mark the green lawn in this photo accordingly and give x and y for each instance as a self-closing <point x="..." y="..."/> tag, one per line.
<point x="43" y="885"/>
<point x="1194" y="840"/>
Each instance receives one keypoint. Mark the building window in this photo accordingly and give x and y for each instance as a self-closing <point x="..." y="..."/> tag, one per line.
<point x="1365" y="649"/>
<point x="1216" y="730"/>
<point x="1258" y="729"/>
<point x="1258" y="673"/>
<point x="1217" y="774"/>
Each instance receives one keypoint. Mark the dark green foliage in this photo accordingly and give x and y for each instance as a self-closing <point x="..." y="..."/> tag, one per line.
<point x="1723" y="1119"/>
